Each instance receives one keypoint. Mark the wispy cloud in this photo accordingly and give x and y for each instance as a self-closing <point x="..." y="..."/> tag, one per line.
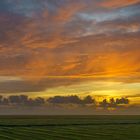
<point x="69" y="41"/>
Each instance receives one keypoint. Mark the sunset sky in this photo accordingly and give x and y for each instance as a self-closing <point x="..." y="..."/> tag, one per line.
<point x="70" y="47"/>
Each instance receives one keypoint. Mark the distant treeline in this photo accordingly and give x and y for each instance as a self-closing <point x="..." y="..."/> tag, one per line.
<point x="24" y="100"/>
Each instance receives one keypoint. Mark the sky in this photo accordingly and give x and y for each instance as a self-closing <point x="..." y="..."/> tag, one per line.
<point x="70" y="47"/>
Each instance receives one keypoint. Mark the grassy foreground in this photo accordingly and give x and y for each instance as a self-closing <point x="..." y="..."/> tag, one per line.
<point x="70" y="127"/>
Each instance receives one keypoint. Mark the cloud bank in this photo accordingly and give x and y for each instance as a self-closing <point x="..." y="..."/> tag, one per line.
<point x="47" y="44"/>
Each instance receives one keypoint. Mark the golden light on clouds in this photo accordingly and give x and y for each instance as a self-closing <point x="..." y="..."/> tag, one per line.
<point x="67" y="47"/>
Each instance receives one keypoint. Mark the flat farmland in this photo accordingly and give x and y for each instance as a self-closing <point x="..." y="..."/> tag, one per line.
<point x="70" y="128"/>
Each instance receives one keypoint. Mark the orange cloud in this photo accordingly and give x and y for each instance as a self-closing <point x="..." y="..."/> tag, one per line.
<point x="102" y="56"/>
<point x="118" y="3"/>
<point x="57" y="45"/>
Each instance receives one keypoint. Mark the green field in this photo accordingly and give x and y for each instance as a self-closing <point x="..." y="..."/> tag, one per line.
<point x="70" y="128"/>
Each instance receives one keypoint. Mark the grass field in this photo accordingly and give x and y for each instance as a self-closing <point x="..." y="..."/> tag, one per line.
<point x="70" y="128"/>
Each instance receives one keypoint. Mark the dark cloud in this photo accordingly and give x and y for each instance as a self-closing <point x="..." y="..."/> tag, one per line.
<point x="21" y="100"/>
<point x="22" y="86"/>
<point x="113" y="103"/>
<point x="24" y="100"/>
<point x="71" y="100"/>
